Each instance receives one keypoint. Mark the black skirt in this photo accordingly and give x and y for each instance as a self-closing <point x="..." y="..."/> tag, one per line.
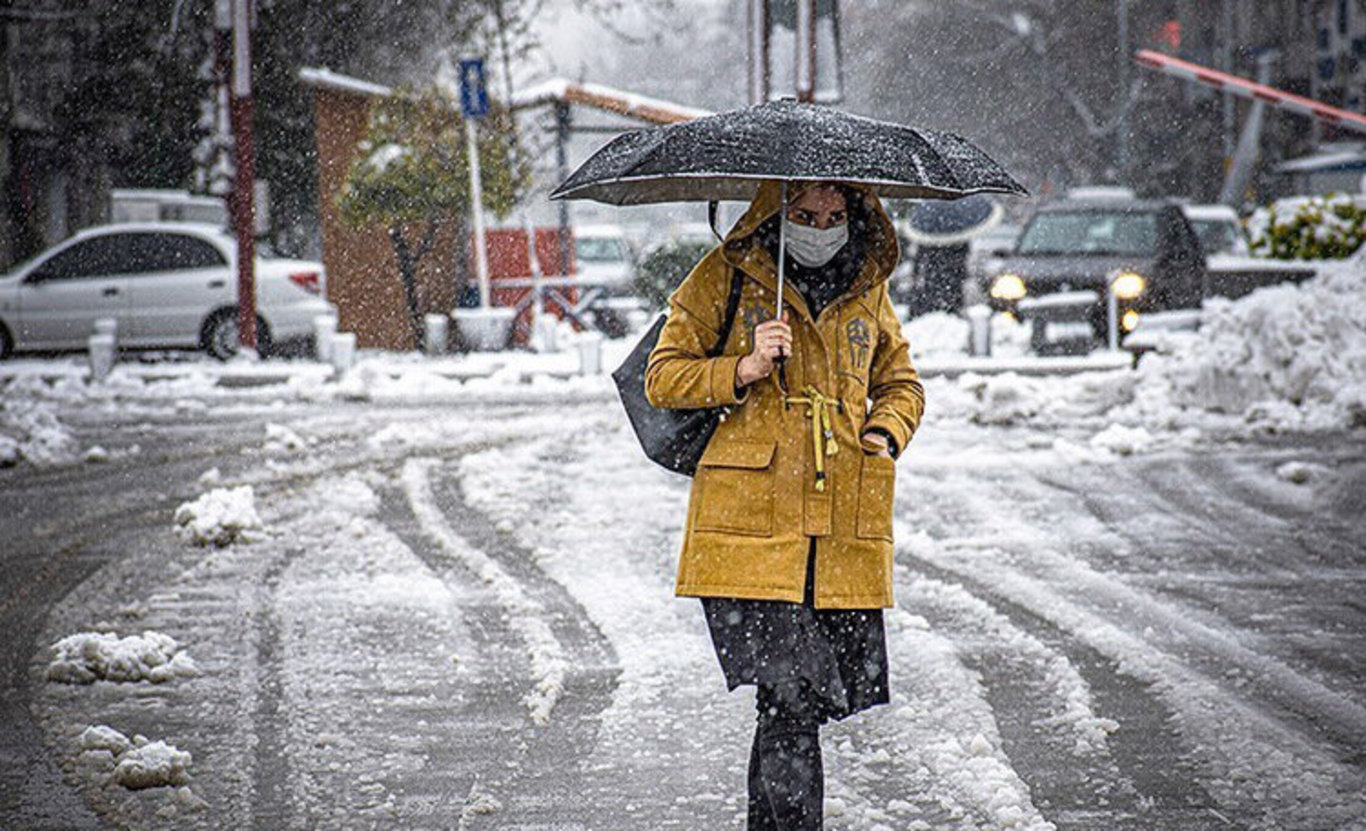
<point x="840" y="653"/>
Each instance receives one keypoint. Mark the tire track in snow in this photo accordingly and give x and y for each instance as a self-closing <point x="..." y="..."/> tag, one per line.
<point x="1257" y="767"/>
<point x="536" y="774"/>
<point x="1133" y="778"/>
<point x="526" y="616"/>
<point x="270" y="769"/>
<point x="1252" y="664"/>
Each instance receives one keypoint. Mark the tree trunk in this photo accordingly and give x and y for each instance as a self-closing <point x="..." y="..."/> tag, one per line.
<point x="407" y="274"/>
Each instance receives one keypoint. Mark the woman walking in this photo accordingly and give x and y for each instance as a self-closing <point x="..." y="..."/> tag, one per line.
<point x="789" y="531"/>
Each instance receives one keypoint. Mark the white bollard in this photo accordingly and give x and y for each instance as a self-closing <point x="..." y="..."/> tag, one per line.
<point x="979" y="330"/>
<point x="101" y="348"/>
<point x="436" y="330"/>
<point x="590" y="354"/>
<point x="324" y="328"/>
<point x="342" y="350"/>
<point x="107" y="326"/>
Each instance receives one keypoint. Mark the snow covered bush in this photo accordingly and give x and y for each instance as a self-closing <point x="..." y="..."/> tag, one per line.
<point x="1318" y="228"/>
<point x="220" y="517"/>
<point x="103" y="656"/>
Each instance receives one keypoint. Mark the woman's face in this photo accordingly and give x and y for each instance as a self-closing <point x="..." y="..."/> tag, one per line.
<point x="820" y="207"/>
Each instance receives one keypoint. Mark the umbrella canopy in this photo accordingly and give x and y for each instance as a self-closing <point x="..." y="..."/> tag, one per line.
<point x="725" y="156"/>
<point x="952" y="222"/>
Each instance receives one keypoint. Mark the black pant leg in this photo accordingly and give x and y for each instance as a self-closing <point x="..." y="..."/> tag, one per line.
<point x="788" y="746"/>
<point x="760" y="812"/>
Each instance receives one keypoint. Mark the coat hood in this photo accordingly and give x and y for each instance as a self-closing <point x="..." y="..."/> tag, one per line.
<point x="881" y="247"/>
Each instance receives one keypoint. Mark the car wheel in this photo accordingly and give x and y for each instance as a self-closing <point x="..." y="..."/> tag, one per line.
<point x="6" y="343"/>
<point x="219" y="336"/>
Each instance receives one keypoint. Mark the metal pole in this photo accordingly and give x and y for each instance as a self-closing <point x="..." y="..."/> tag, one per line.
<point x="481" y="254"/>
<point x="1226" y="55"/>
<point x="803" y="71"/>
<point x="1112" y="316"/>
<point x="1239" y="174"/>
<point x="758" y="51"/>
<point x="243" y="191"/>
<point x="562" y="126"/>
<point x="1122" y="151"/>
<point x="782" y="254"/>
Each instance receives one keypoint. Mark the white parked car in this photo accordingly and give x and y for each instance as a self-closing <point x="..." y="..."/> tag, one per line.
<point x="167" y="284"/>
<point x="603" y="257"/>
<point x="1218" y="228"/>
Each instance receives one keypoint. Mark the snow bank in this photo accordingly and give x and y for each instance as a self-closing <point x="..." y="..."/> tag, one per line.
<point x="138" y="763"/>
<point x="219" y="517"/>
<point x="1287" y="357"/>
<point x="103" y="656"/>
<point x="942" y="334"/>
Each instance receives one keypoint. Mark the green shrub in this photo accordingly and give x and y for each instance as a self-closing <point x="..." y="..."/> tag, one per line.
<point x="664" y="268"/>
<point x="1317" y="228"/>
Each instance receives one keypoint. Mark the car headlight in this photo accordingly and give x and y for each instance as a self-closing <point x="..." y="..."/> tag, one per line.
<point x="1127" y="285"/>
<point x="1008" y="287"/>
<point x="1129" y="321"/>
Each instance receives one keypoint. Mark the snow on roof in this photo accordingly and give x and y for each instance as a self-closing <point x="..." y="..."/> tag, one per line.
<point x="327" y="79"/>
<point x="653" y="110"/>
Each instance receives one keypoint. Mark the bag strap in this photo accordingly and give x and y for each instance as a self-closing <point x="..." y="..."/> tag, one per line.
<point x="737" y="284"/>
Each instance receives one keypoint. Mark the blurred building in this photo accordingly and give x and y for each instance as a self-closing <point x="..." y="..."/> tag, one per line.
<point x="1319" y="51"/>
<point x="48" y="190"/>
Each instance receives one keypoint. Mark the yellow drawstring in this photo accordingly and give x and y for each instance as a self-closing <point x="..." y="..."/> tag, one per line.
<point x="822" y="434"/>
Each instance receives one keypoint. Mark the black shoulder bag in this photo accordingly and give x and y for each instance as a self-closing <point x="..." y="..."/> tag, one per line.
<point x="674" y="439"/>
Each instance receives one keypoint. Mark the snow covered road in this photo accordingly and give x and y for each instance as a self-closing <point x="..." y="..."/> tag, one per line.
<point x="462" y="616"/>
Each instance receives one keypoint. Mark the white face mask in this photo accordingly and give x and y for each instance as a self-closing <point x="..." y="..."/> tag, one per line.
<point x="814" y="247"/>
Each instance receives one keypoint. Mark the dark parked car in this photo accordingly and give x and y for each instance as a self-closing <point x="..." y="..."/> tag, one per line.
<point x="1072" y="251"/>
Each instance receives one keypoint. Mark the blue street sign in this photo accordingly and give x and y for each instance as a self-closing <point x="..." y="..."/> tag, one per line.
<point x="474" y="98"/>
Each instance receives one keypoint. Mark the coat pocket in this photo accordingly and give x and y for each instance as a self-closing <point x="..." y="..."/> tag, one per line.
<point x="735" y="488"/>
<point x="877" y="482"/>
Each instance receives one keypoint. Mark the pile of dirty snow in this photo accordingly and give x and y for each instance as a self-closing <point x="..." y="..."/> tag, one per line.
<point x="219" y="517"/>
<point x="138" y="763"/>
<point x="86" y="657"/>
<point x="30" y="431"/>
<point x="281" y="439"/>
<point x="1291" y="356"/>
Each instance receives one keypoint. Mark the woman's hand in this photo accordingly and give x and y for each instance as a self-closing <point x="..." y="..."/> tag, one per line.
<point x="772" y="340"/>
<point x="875" y="444"/>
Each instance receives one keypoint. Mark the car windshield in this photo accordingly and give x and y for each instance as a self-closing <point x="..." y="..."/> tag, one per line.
<point x="1217" y="236"/>
<point x="600" y="250"/>
<point x="1127" y="233"/>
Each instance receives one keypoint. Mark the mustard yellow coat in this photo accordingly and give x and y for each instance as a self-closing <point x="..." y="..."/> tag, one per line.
<point x="757" y="498"/>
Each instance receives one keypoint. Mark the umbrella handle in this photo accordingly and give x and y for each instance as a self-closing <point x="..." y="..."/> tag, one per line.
<point x="782" y="253"/>
<point x="781" y="377"/>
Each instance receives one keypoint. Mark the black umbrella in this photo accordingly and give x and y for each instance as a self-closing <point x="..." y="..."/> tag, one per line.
<point x="725" y="157"/>
<point x="951" y="222"/>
